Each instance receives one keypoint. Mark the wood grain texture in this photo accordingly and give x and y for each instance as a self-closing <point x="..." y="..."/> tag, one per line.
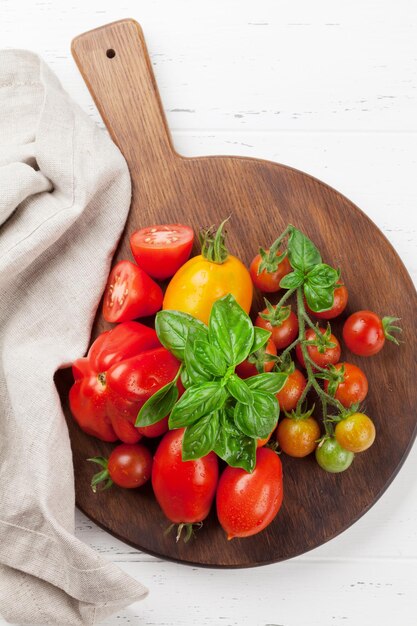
<point x="262" y="197"/>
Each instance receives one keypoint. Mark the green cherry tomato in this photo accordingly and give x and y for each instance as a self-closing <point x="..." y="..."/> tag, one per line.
<point x="332" y="457"/>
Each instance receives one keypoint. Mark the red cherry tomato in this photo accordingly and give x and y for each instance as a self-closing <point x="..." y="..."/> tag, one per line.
<point x="130" y="293"/>
<point x="268" y="281"/>
<point x="339" y="304"/>
<point x="322" y="359"/>
<point x="184" y="489"/>
<point x="363" y="333"/>
<point x="247" y="503"/>
<point x="283" y="334"/>
<point x="352" y="388"/>
<point x="250" y="366"/>
<point x="291" y="391"/>
<point x="160" y="250"/>
<point x="130" y="465"/>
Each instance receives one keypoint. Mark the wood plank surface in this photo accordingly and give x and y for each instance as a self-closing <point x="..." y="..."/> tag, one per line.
<point x="248" y="69"/>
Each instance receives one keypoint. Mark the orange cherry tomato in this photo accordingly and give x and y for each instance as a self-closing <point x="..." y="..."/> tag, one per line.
<point x="291" y="391"/>
<point x="298" y="437"/>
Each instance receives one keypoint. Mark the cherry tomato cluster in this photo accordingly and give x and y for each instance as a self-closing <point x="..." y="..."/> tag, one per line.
<point x="318" y="352"/>
<point x="131" y="374"/>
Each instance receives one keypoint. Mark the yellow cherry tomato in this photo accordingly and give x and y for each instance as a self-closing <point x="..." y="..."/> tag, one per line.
<point x="356" y="432"/>
<point x="200" y="282"/>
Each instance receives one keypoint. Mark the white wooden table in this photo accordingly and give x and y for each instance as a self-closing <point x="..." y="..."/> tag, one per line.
<point x="328" y="87"/>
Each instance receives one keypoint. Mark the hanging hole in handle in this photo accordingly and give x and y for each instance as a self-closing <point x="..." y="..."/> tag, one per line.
<point x="110" y="53"/>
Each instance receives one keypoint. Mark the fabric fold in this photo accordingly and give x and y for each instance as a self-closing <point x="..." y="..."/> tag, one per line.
<point x="64" y="202"/>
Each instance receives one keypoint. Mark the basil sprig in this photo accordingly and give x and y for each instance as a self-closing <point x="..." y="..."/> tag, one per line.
<point x="317" y="279"/>
<point x="218" y="410"/>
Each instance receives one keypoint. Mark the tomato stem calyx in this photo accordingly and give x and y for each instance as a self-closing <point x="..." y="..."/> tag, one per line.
<point x="389" y="328"/>
<point x="213" y="244"/>
<point x="271" y="258"/>
<point x="101" y="481"/>
<point x="102" y="378"/>
<point x="188" y="528"/>
<point x="276" y="315"/>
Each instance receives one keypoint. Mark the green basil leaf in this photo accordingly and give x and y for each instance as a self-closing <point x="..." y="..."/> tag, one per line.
<point x="319" y="287"/>
<point x="210" y="358"/>
<point x="197" y="401"/>
<point x="302" y="253"/>
<point x="196" y="370"/>
<point x="158" y="405"/>
<point x="239" y="389"/>
<point x="174" y="327"/>
<point x="185" y="379"/>
<point x="272" y="382"/>
<point x="230" y="330"/>
<point x="237" y="449"/>
<point x="292" y="280"/>
<point x="258" y="419"/>
<point x="319" y="298"/>
<point x="200" y="438"/>
<point x="323" y="276"/>
<point x="260" y="339"/>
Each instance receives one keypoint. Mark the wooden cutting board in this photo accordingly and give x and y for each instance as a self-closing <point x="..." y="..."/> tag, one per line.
<point x="262" y="197"/>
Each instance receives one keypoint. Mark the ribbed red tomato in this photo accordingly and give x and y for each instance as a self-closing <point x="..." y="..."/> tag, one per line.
<point x="123" y="368"/>
<point x="130" y="383"/>
<point x="247" y="503"/>
<point x="184" y="489"/>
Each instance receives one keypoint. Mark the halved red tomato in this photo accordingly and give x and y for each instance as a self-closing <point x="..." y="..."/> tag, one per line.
<point x="161" y="249"/>
<point x="130" y="293"/>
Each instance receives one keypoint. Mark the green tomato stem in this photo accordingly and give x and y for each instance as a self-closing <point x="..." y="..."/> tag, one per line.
<point x="310" y="323"/>
<point x="317" y="367"/>
<point x="324" y="397"/>
<point x="275" y="246"/>
<point x="285" y="297"/>
<point x="304" y="394"/>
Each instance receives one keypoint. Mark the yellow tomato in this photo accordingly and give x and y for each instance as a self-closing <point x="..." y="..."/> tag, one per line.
<point x="200" y="282"/>
<point x="356" y="432"/>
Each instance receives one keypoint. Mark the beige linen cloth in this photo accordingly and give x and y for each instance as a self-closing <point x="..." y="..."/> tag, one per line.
<point x="64" y="198"/>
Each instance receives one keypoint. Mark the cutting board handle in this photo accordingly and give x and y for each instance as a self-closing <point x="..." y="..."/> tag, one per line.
<point x="115" y="65"/>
